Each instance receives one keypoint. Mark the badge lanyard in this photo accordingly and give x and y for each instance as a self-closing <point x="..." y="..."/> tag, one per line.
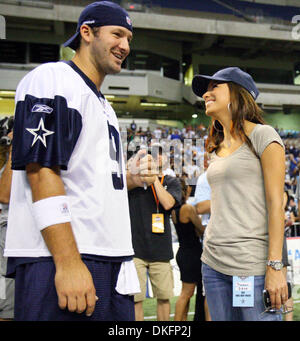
<point x="154" y="193"/>
<point x="158" y="225"/>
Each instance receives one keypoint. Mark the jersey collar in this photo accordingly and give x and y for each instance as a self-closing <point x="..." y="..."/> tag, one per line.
<point x="89" y="83"/>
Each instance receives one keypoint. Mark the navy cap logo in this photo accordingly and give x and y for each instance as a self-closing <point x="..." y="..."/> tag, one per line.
<point x="88" y="22"/>
<point x="129" y="22"/>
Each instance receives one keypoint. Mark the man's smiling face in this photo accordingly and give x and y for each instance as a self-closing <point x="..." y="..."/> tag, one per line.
<point x="109" y="48"/>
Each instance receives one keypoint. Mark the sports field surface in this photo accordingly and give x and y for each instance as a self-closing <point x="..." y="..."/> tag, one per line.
<point x="150" y="307"/>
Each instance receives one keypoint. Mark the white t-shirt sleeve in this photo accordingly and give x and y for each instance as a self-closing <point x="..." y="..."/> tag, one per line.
<point x="203" y="191"/>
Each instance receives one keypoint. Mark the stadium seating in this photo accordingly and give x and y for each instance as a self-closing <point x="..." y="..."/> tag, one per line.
<point x="223" y="7"/>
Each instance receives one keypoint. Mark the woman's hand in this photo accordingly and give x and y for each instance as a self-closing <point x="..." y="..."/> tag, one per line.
<point x="275" y="283"/>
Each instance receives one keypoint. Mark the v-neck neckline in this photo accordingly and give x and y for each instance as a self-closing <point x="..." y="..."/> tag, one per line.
<point x="86" y="79"/>
<point x="239" y="148"/>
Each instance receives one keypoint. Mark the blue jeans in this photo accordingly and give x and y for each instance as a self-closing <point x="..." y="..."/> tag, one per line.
<point x="218" y="292"/>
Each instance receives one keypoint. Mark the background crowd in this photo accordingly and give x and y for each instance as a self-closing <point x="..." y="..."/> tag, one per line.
<point x="195" y="137"/>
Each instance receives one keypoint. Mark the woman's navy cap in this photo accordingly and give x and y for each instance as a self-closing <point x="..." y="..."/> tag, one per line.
<point x="230" y="74"/>
<point x="100" y="13"/>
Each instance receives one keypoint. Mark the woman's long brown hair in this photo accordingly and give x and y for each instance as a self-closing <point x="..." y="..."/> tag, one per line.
<point x="243" y="107"/>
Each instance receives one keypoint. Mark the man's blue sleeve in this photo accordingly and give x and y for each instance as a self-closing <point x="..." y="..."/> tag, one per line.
<point x="45" y="132"/>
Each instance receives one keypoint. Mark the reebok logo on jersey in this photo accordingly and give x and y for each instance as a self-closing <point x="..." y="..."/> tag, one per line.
<point x="42" y="108"/>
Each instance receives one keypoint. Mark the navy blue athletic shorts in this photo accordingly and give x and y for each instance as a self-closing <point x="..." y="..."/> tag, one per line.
<point x="36" y="298"/>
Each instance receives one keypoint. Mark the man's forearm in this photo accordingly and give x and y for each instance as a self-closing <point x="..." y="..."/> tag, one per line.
<point x="61" y="244"/>
<point x="5" y="182"/>
<point x="164" y="197"/>
<point x="44" y="182"/>
<point x="59" y="238"/>
<point x="203" y="207"/>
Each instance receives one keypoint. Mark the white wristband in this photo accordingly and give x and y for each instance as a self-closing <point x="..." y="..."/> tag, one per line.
<point x="51" y="211"/>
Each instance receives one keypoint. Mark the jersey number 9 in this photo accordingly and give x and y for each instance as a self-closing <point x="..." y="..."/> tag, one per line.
<point x="115" y="155"/>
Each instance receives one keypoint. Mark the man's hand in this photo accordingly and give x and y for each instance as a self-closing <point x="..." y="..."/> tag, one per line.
<point x="148" y="170"/>
<point x="75" y="287"/>
<point x="73" y="281"/>
<point x="143" y="169"/>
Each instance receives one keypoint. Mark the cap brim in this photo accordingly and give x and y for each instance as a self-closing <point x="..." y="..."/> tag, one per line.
<point x="72" y="41"/>
<point x="200" y="83"/>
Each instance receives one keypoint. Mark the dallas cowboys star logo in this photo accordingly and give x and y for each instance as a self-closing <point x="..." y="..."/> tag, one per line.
<point x="40" y="133"/>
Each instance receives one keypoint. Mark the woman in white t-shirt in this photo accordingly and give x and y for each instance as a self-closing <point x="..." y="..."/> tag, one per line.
<point x="242" y="253"/>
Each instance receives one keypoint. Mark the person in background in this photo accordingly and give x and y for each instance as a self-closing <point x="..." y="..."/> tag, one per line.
<point x="7" y="285"/>
<point x="292" y="206"/>
<point x="202" y="204"/>
<point x="244" y="236"/>
<point x="289" y="302"/>
<point x="188" y="228"/>
<point x="133" y="126"/>
<point x="150" y="205"/>
<point x="157" y="133"/>
<point x="176" y="135"/>
<point x="289" y="214"/>
<point x="297" y="195"/>
<point x="148" y="135"/>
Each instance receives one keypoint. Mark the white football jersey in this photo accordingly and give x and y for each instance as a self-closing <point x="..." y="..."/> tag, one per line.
<point x="61" y="119"/>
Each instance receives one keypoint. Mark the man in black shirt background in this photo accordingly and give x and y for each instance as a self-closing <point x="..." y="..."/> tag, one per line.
<point x="150" y="209"/>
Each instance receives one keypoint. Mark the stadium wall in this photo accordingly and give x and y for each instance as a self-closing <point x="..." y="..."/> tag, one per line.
<point x="281" y="120"/>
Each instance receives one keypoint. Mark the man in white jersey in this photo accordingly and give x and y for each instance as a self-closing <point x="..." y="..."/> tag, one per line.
<point x="69" y="238"/>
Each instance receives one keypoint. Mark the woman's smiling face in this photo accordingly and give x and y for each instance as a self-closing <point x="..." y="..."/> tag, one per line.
<point x="217" y="98"/>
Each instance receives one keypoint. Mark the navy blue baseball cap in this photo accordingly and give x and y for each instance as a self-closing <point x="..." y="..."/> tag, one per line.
<point x="230" y="74"/>
<point x="100" y="13"/>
